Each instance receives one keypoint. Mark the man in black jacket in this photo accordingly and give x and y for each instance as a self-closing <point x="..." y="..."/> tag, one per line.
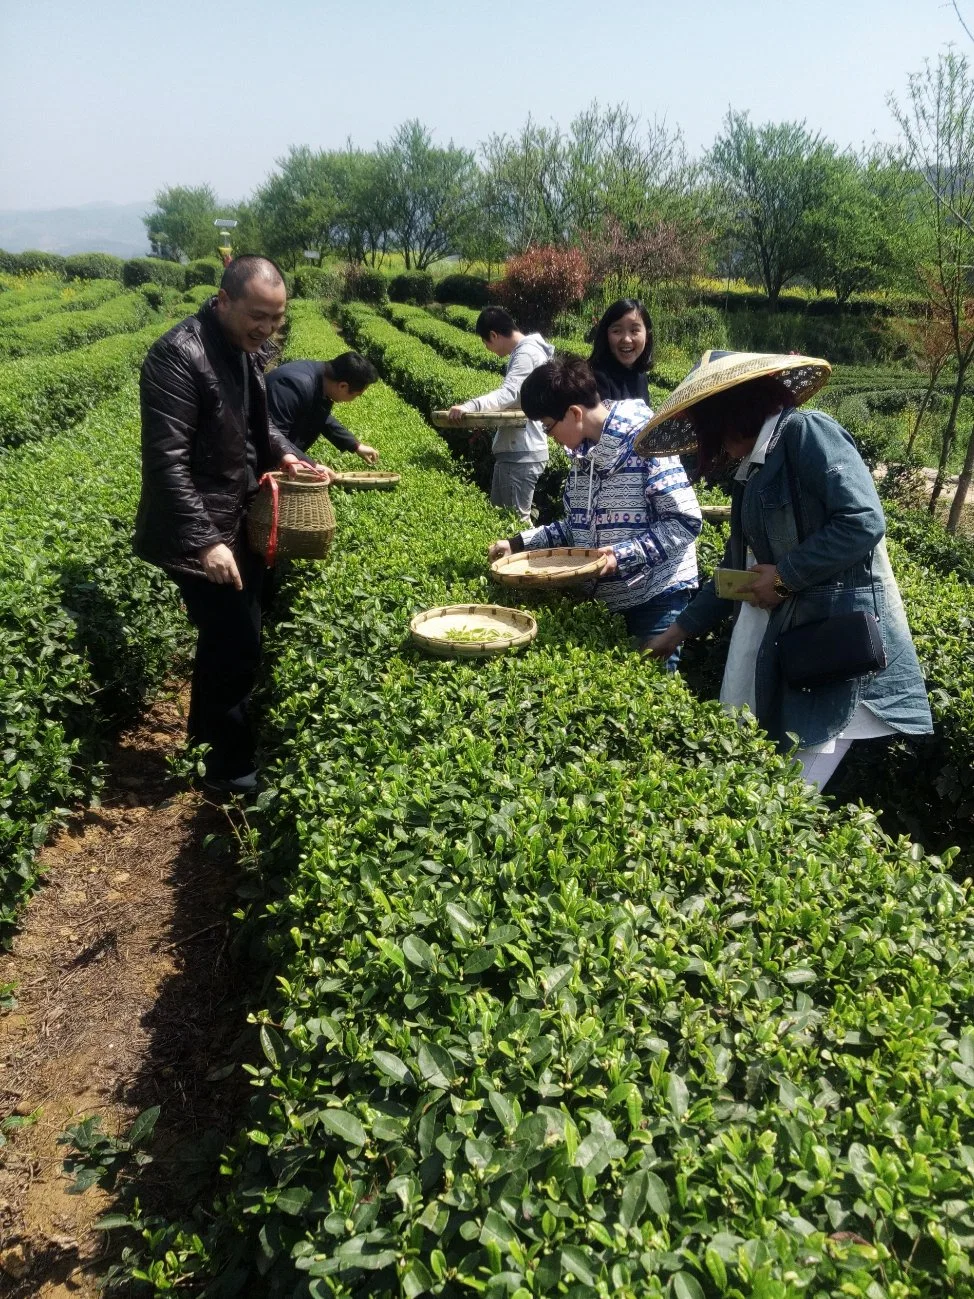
<point x="206" y="440"/>
<point x="301" y="394"/>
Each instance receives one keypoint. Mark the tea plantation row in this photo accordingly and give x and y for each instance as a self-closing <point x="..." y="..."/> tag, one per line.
<point x="15" y="311"/>
<point x="934" y="796"/>
<point x="65" y="330"/>
<point x="577" y="990"/>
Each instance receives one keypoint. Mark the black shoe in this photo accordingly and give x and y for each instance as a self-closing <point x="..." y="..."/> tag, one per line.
<point x="238" y="786"/>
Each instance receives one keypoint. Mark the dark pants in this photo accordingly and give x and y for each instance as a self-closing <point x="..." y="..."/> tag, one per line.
<point x="649" y="619"/>
<point x="227" y="657"/>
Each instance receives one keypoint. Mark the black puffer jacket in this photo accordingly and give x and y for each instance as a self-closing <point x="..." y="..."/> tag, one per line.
<point x="196" y="482"/>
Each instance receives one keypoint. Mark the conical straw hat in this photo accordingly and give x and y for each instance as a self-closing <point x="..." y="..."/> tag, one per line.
<point x="671" y="431"/>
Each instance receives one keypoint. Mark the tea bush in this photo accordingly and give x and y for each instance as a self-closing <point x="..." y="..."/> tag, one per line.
<point x="411" y="286"/>
<point x="450" y="342"/>
<point x="466" y="290"/>
<point x="65" y="331"/>
<point x="86" y="630"/>
<point x="317" y="282"/>
<point x="153" y="270"/>
<point x="43" y="395"/>
<point x="205" y="270"/>
<point x="363" y="284"/>
<point x="577" y="989"/>
<point x="32" y="262"/>
<point x="77" y="296"/>
<point x="93" y="266"/>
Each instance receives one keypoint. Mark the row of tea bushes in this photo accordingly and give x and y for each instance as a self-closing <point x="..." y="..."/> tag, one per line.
<point x="452" y="343"/>
<point x="18" y="291"/>
<point x="40" y="396"/>
<point x="78" y="296"/>
<point x="86" y="630"/>
<point x="64" y="331"/>
<point x="415" y="370"/>
<point x="577" y="990"/>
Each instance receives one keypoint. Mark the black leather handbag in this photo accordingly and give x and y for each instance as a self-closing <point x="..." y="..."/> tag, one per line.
<point x="829" y="650"/>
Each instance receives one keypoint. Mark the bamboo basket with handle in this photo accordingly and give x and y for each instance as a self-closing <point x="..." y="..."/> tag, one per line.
<point x="291" y="518"/>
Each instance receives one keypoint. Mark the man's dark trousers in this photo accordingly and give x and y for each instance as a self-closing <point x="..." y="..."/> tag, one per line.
<point x="227" y="657"/>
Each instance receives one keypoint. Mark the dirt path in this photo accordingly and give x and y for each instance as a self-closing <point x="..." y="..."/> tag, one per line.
<point x="126" y="999"/>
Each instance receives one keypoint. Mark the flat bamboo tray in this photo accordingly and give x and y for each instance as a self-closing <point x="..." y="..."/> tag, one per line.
<point x="366" y="481"/>
<point x="506" y="628"/>
<point x="716" y="513"/>
<point x="480" y="419"/>
<point x="561" y="566"/>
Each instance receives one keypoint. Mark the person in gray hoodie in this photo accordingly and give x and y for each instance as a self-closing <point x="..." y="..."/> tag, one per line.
<point x="520" y="450"/>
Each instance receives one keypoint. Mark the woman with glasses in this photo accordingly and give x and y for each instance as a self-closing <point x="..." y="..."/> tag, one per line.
<point x="641" y="514"/>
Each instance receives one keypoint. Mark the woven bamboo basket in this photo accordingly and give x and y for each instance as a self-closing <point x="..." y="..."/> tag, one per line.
<point x="479" y="419"/>
<point x="291" y="518"/>
<point x="486" y="629"/>
<point x="365" y="481"/>
<point x="560" y="566"/>
<point x="716" y="513"/>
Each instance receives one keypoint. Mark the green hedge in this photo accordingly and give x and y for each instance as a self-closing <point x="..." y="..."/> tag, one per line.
<point x="93" y="266"/>
<point x="77" y="296"/>
<point x="32" y="262"/>
<point x="416" y="371"/>
<point x="450" y="342"/>
<point x="206" y="270"/>
<point x="411" y="286"/>
<point x="153" y="270"/>
<point x="65" y="331"/>
<point x="577" y="989"/>
<point x="42" y="395"/>
<point x="20" y="292"/>
<point x="86" y="630"/>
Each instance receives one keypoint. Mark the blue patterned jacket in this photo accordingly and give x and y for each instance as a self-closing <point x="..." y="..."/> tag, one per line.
<point x="645" y="510"/>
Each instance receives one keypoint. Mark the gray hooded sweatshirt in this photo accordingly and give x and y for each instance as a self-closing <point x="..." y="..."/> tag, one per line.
<point x="516" y="442"/>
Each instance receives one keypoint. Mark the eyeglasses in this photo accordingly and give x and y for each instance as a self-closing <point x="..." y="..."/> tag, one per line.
<point x="554" y="424"/>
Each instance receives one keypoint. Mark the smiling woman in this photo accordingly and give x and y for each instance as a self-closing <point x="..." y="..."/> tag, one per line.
<point x="622" y="351"/>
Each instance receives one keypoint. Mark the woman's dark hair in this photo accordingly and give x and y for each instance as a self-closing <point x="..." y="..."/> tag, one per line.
<point x="602" y="354"/>
<point x="495" y="320"/>
<point x="563" y="381"/>
<point x="740" y="411"/>
<point x="352" y="369"/>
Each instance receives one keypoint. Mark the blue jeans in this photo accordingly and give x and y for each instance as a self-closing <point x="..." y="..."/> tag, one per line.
<point x="649" y="619"/>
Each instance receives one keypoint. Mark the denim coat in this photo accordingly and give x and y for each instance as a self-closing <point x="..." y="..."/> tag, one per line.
<point x="841" y="566"/>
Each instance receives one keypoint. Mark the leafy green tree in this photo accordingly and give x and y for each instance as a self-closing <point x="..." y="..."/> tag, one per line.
<point x="431" y="192"/>
<point x="937" y="155"/>
<point x="768" y="181"/>
<point x="855" y="235"/>
<point x="181" y="223"/>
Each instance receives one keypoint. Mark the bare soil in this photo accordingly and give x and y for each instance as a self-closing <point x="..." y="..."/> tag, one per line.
<point x="127" y="998"/>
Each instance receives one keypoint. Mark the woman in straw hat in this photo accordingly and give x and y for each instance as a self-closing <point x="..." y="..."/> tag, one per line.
<point x="807" y="524"/>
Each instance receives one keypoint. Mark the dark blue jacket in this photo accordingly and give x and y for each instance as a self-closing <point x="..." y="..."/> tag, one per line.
<point x="299" y="409"/>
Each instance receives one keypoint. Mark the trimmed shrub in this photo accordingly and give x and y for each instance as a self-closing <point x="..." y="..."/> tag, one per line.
<point x="575" y="989"/>
<point x="153" y="270"/>
<point x="450" y="342"/>
<point x="80" y="295"/>
<point x="159" y="297"/>
<point x="317" y="282"/>
<point x="693" y="330"/>
<point x="411" y="286"/>
<point x="87" y="631"/>
<point x="205" y="270"/>
<point x="33" y="261"/>
<point x="93" y="266"/>
<point x="198" y="294"/>
<point x="464" y="290"/>
<point x="363" y="284"/>
<point x="66" y="330"/>
<point x="46" y="394"/>
<point x="541" y="283"/>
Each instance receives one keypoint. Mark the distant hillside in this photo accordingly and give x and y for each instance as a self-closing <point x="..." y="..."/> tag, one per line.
<point x="94" y="228"/>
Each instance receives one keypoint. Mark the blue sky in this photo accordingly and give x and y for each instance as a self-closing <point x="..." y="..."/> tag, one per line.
<point x="115" y="99"/>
